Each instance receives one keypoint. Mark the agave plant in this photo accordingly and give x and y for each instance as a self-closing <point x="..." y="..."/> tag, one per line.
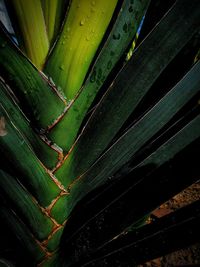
<point x="95" y="135"/>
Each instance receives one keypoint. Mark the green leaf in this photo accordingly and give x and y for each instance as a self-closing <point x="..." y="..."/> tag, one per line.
<point x="26" y="206"/>
<point x="159" y="184"/>
<point x="120" y="36"/>
<point x="132" y="83"/>
<point x="36" y="94"/>
<point x="83" y="30"/>
<point x="95" y="176"/>
<point x="31" y="24"/>
<point x="136" y="136"/>
<point x="53" y="15"/>
<point x="46" y="154"/>
<point x="17" y="151"/>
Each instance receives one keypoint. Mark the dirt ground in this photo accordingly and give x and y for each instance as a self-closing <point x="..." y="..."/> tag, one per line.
<point x="188" y="257"/>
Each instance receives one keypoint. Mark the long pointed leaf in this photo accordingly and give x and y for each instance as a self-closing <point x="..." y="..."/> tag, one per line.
<point x="53" y="15"/>
<point x="47" y="155"/>
<point x="133" y="140"/>
<point x="157" y="187"/>
<point x="132" y="83"/>
<point x="40" y="224"/>
<point x="161" y="155"/>
<point x="31" y="24"/>
<point x="29" y="85"/>
<point x="122" y="33"/>
<point x="16" y="149"/>
<point x="23" y="234"/>
<point x="82" y="33"/>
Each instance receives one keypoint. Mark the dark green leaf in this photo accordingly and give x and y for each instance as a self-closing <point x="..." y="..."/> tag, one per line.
<point x="132" y="83"/>
<point x="36" y="94"/>
<point x="110" y="213"/>
<point x="26" y="206"/>
<point x="47" y="155"/>
<point x="23" y="234"/>
<point x="120" y="36"/>
<point x="17" y="151"/>
<point x="121" y="152"/>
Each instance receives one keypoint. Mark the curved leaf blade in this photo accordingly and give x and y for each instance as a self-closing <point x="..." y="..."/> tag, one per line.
<point x="136" y="79"/>
<point x="16" y="149"/>
<point x="83" y="30"/>
<point x="30" y="86"/>
<point x="47" y="155"/>
<point x="167" y="163"/>
<point x="121" y="34"/>
<point x="30" y="22"/>
<point x="39" y="223"/>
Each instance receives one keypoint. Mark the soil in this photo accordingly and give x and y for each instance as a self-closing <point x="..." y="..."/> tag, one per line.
<point x="188" y="257"/>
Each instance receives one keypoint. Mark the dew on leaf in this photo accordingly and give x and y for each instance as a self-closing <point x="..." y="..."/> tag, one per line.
<point x="116" y="36"/>
<point x="125" y="28"/>
<point x="82" y="22"/>
<point x="93" y="3"/>
<point x="130" y="9"/>
<point x="109" y="64"/>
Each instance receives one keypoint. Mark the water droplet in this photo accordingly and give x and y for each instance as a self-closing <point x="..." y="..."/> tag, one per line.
<point x="63" y="42"/>
<point x="109" y="64"/>
<point x="78" y="6"/>
<point x="88" y="38"/>
<point x="116" y="36"/>
<point x="93" y="3"/>
<point x="82" y="22"/>
<point x="93" y="10"/>
<point x="89" y="95"/>
<point x="103" y="12"/>
<point x="61" y="67"/>
<point x="99" y="73"/>
<point x="125" y="28"/>
<point x="68" y="29"/>
<point x="130" y="9"/>
<point x="22" y="142"/>
<point x="93" y="76"/>
<point x="136" y="15"/>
